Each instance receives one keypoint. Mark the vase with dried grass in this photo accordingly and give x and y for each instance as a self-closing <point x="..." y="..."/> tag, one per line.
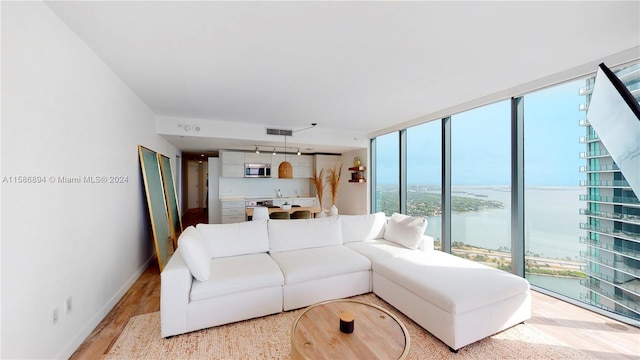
<point x="333" y="179"/>
<point x="318" y="181"/>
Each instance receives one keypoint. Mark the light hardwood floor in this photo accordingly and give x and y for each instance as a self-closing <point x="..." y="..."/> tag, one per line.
<point x="594" y="334"/>
<point x="587" y="331"/>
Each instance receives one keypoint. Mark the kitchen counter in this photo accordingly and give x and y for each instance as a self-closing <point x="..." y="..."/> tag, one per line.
<point x="235" y="208"/>
<point x="312" y="209"/>
<point x="267" y="197"/>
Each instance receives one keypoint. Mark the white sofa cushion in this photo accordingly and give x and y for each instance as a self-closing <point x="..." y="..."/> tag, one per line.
<point x="310" y="264"/>
<point x="405" y="230"/>
<point x="362" y="227"/>
<point x="230" y="275"/>
<point x="243" y="238"/>
<point x="194" y="252"/>
<point x="378" y="249"/>
<point x="304" y="233"/>
<point x="453" y="284"/>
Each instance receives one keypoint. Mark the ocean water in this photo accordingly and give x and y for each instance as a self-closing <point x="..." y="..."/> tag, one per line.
<point x="561" y="285"/>
<point x="552" y="227"/>
<point x="552" y="221"/>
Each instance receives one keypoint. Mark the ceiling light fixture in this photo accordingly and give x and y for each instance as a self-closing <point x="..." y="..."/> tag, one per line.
<point x="257" y="150"/>
<point x="307" y="128"/>
<point x="299" y="152"/>
<point x="285" y="170"/>
<point x="274" y="151"/>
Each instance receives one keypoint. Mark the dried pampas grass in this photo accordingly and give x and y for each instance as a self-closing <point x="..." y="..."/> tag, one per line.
<point x="318" y="181"/>
<point x="333" y="179"/>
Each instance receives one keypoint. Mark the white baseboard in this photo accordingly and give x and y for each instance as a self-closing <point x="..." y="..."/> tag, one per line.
<point x="84" y="333"/>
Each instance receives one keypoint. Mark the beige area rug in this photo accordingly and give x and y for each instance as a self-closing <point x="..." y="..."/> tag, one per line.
<point x="269" y="338"/>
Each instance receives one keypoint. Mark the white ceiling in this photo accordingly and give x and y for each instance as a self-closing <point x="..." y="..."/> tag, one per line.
<point x="353" y="67"/>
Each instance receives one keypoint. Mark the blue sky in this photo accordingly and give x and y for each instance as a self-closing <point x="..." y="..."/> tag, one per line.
<point x="481" y="141"/>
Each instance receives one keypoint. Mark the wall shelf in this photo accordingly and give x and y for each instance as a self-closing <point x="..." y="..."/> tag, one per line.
<point x="357" y="174"/>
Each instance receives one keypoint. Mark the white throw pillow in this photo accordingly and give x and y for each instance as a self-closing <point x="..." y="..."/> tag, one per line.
<point x="195" y="255"/>
<point x="223" y="240"/>
<point x="405" y="230"/>
<point x="363" y="227"/>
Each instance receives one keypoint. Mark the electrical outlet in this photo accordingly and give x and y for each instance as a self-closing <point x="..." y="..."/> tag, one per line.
<point x="54" y="316"/>
<point x="68" y="304"/>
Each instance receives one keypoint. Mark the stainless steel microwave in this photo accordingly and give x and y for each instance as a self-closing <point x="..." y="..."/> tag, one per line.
<point x="257" y="170"/>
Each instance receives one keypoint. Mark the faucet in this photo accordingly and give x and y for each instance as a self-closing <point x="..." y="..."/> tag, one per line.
<point x="279" y="193"/>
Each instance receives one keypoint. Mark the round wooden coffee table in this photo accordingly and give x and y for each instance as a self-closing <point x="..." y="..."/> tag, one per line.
<point x="377" y="334"/>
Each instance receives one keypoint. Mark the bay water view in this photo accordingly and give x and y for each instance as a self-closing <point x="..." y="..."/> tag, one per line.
<point x="481" y="229"/>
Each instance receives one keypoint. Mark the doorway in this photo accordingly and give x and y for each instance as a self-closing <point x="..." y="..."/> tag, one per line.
<point x="195" y="184"/>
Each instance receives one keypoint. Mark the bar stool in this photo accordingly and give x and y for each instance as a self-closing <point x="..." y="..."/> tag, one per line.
<point x="280" y="215"/>
<point x="301" y="214"/>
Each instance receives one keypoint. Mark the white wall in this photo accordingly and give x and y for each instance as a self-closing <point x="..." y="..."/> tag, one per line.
<point x="65" y="113"/>
<point x="215" y="211"/>
<point x="354" y="197"/>
<point x="327" y="162"/>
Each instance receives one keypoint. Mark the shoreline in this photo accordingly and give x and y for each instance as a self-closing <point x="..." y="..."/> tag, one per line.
<point x="501" y="260"/>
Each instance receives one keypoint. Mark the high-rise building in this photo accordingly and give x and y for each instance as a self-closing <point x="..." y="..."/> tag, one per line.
<point x="612" y="218"/>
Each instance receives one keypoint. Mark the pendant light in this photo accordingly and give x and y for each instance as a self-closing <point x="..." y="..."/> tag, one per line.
<point x="285" y="170"/>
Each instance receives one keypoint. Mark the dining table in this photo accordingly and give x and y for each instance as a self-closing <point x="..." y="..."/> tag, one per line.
<point x="314" y="209"/>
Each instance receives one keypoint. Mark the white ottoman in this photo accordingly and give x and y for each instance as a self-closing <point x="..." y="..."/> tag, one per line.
<point x="457" y="300"/>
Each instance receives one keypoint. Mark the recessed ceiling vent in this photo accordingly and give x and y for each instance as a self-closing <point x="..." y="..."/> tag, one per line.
<point x="281" y="132"/>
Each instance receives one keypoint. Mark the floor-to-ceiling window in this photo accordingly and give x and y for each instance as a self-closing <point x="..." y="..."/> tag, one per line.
<point x="424" y="175"/>
<point x="480" y="184"/>
<point x="387" y="168"/>
<point x="552" y="193"/>
<point x="576" y="231"/>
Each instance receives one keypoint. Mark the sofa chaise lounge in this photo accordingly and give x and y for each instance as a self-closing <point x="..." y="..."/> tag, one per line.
<point x="224" y="273"/>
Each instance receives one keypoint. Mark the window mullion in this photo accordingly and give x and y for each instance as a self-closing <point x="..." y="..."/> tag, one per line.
<point x="446" y="186"/>
<point x="517" y="186"/>
<point x="402" y="184"/>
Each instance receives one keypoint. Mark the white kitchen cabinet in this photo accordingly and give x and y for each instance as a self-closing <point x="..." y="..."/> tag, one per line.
<point x="302" y="172"/>
<point x="302" y="160"/>
<point x="232" y="157"/>
<point x="262" y="158"/>
<point x="232" y="163"/>
<point x="233" y="212"/>
<point x="277" y="159"/>
<point x="236" y="171"/>
<point x="302" y="165"/>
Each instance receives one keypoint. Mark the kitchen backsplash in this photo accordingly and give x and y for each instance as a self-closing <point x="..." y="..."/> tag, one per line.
<point x="263" y="187"/>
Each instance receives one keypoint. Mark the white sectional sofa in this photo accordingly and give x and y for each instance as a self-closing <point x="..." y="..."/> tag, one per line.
<point x="226" y="273"/>
<point x="315" y="263"/>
